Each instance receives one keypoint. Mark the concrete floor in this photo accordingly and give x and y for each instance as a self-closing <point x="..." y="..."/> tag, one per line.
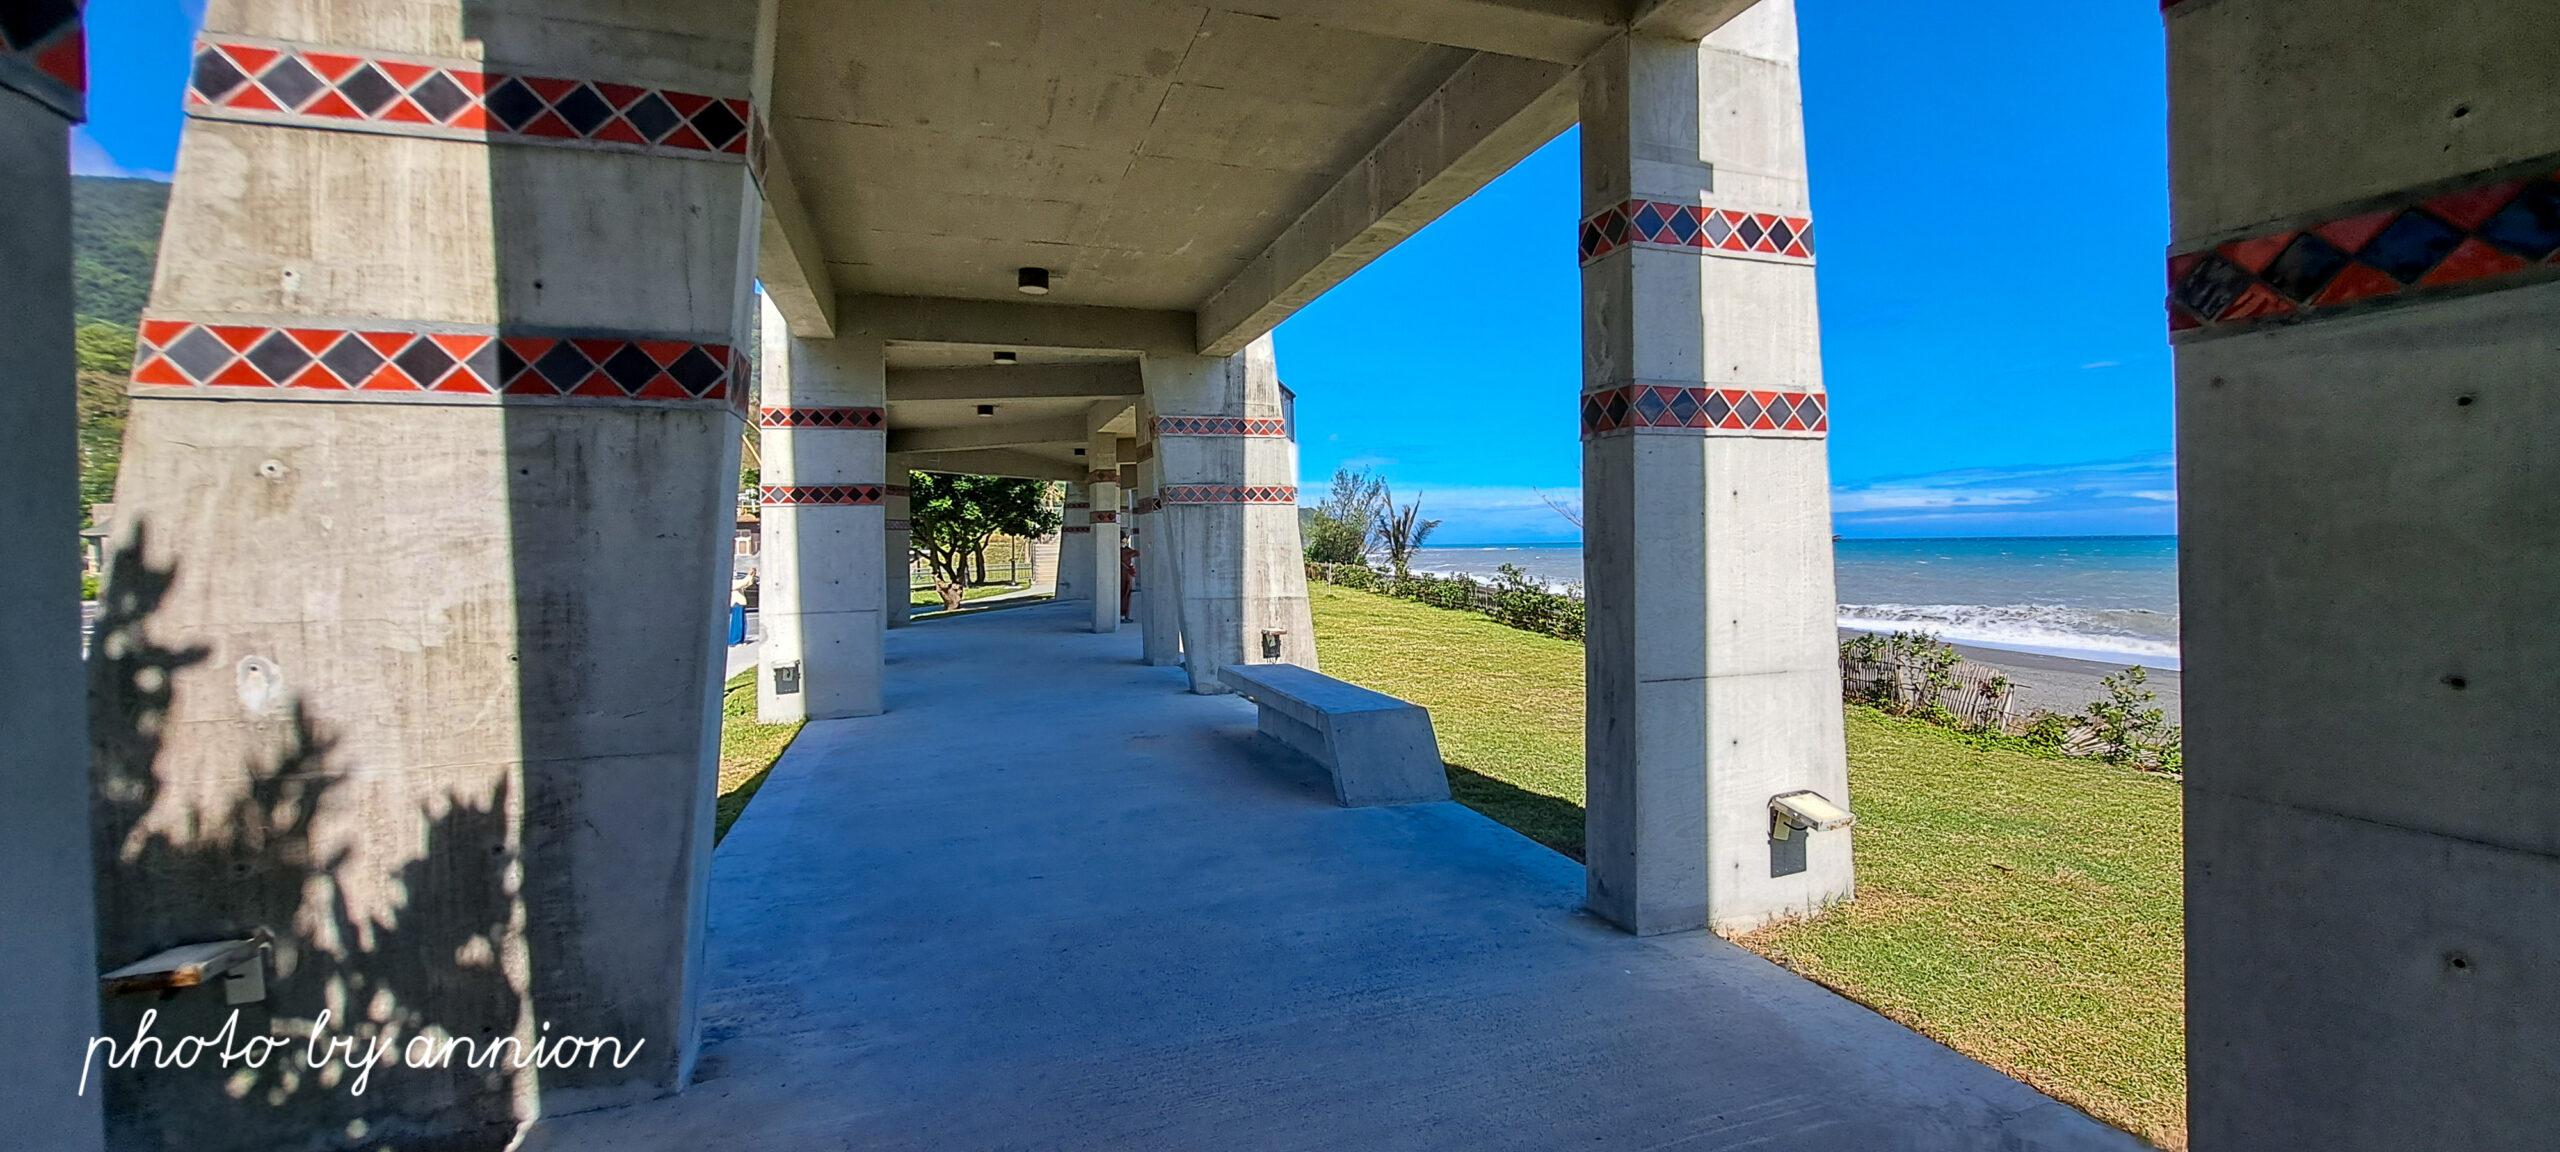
<point x="1049" y="900"/>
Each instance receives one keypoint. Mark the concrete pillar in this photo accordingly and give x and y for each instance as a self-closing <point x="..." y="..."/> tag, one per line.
<point x="1712" y="678"/>
<point x="415" y="618"/>
<point x="1102" y="489"/>
<point x="1157" y="607"/>
<point x="1075" y="546"/>
<point x="897" y="550"/>
<point x="2366" y="221"/>
<point x="1230" y="511"/>
<point x="48" y="950"/>
<point x="825" y="451"/>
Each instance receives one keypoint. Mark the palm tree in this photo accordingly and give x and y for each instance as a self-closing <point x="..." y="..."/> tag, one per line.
<point x="1401" y="529"/>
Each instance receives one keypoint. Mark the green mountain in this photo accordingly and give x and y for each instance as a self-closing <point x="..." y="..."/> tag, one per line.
<point x="115" y="235"/>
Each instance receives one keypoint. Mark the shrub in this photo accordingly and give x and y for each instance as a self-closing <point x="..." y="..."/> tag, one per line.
<point x="2128" y="729"/>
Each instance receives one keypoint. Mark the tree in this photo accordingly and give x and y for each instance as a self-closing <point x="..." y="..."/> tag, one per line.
<point x="951" y="518"/>
<point x="1401" y="530"/>
<point x="1341" y="530"/>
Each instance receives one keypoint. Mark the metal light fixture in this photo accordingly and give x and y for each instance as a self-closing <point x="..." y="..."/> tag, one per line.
<point x="1032" y="281"/>
<point x="986" y="409"/>
<point x="1008" y="358"/>
<point x="1079" y="451"/>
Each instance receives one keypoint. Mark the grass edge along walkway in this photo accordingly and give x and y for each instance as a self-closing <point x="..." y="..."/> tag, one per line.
<point x="748" y="750"/>
<point x="2019" y="906"/>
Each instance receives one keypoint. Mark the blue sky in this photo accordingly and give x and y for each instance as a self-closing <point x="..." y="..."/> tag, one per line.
<point x="1989" y="183"/>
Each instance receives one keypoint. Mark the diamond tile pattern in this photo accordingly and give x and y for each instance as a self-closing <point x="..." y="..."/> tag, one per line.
<point x="1229" y="494"/>
<point x="894" y="525"/>
<point x="1103" y="518"/>
<point x="1220" y="426"/>
<point x="47" y="51"/>
<point x="1077" y="529"/>
<point x="388" y="362"/>
<point x="1102" y="477"/>
<point x="1660" y="407"/>
<point x="805" y="494"/>
<point x="316" y="85"/>
<point x="897" y="491"/>
<point x="1696" y="228"/>
<point x="2477" y="234"/>
<point x="859" y="419"/>
<point x="1147" y="504"/>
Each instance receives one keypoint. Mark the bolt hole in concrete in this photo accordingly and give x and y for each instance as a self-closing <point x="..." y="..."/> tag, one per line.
<point x="2456" y="683"/>
<point x="2461" y="112"/>
<point x="2457" y="961"/>
<point x="2462" y="401"/>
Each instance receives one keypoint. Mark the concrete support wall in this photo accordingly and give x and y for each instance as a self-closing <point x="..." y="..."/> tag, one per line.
<point x="1712" y="676"/>
<point x="1102" y="490"/>
<point x="897" y="549"/>
<point x="825" y="456"/>
<point x="1075" y="546"/>
<point x="414" y="626"/>
<point x="2366" y="203"/>
<point x="1157" y="607"/>
<point x="1229" y="521"/>
<point x="47" y="950"/>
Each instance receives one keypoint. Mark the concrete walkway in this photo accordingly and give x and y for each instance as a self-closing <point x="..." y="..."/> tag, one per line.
<point x="1051" y="901"/>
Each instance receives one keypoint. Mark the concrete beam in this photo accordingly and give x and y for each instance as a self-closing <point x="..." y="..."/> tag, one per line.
<point x="995" y="462"/>
<point x="1488" y="115"/>
<point x="791" y="261"/>
<point x="1559" y="31"/>
<point x="1683" y="19"/>
<point x="1029" y="382"/>
<point x="1005" y="324"/>
<point x="1069" y="429"/>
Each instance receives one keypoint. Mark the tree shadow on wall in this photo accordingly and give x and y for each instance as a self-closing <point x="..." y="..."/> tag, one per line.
<point x="200" y="851"/>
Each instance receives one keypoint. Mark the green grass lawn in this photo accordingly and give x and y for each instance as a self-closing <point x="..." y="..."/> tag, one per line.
<point x="928" y="598"/>
<point x="747" y="750"/>
<point x="2021" y="907"/>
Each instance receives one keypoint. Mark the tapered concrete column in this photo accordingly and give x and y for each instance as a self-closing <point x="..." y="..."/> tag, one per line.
<point x="897" y="549"/>
<point x="2366" y="221"/>
<point x="50" y="998"/>
<point x="825" y="454"/>
<point x="414" y="631"/>
<point x="1712" y="676"/>
<point x="1229" y="519"/>
<point x="1102" y="489"/>
<point x="1157" y="607"/>
<point x="1075" y="546"/>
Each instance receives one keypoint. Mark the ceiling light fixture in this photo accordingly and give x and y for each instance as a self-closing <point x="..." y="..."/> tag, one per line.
<point x="1008" y="358"/>
<point x="1032" y="281"/>
<point x="1079" y="451"/>
<point x="986" y="409"/>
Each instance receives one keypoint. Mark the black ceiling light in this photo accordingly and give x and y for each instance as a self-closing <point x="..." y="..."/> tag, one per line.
<point x="986" y="409"/>
<point x="1079" y="451"/>
<point x="1008" y="358"/>
<point x="1032" y="281"/>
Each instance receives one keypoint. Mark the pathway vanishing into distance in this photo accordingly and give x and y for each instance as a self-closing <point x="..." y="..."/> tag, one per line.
<point x="1050" y="900"/>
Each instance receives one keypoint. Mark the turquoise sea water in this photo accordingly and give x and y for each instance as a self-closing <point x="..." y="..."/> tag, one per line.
<point x="2107" y="597"/>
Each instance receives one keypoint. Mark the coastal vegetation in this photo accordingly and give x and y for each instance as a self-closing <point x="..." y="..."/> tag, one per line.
<point x="2019" y="905"/>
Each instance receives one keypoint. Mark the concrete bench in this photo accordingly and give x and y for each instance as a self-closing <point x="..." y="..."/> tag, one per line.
<point x="1379" y="749"/>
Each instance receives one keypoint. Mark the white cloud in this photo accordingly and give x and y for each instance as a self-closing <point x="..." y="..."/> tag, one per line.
<point x="90" y="158"/>
<point x="2132" y="496"/>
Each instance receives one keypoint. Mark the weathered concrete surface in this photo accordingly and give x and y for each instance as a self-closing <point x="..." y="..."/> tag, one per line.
<point x="1377" y="749"/>
<point x="427" y="686"/>
<point x="826" y="581"/>
<point x="1149" y="928"/>
<point x="47" y="951"/>
<point x="1102" y="491"/>
<point x="2369" y="553"/>
<point x="1237" y="564"/>
<point x="1075" y="544"/>
<point x="1713" y="675"/>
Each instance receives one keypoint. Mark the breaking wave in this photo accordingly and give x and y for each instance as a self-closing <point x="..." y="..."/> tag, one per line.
<point x="2128" y="634"/>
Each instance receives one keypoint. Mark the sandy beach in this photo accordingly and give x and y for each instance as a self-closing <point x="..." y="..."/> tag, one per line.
<point x="2062" y="683"/>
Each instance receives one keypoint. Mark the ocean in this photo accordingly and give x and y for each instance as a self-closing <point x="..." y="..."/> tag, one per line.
<point x="2109" y="598"/>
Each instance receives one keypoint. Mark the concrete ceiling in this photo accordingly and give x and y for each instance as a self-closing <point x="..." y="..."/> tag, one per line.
<point x="1142" y="151"/>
